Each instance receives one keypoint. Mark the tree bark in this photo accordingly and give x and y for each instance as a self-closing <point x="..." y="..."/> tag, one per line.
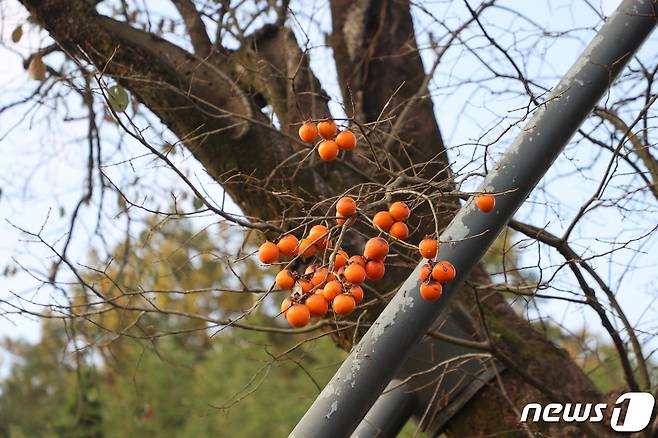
<point x="212" y="105"/>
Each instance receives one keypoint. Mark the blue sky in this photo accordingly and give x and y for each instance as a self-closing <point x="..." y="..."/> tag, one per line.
<point x="33" y="195"/>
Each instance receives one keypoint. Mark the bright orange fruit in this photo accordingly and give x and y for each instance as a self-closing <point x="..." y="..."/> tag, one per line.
<point x="425" y="272"/>
<point x="285" y="280"/>
<point x="343" y="304"/>
<point x="328" y="150"/>
<point x="357" y="293"/>
<point x="346" y="141"/>
<point x="288" y="245"/>
<point x="485" y="203"/>
<point x="431" y="291"/>
<point x="332" y="289"/>
<point x="444" y="272"/>
<point x="399" y="230"/>
<point x="354" y="273"/>
<point x="285" y="305"/>
<point x="383" y="220"/>
<point x="346" y="206"/>
<point x="358" y="260"/>
<point x="327" y="129"/>
<point x="268" y="252"/>
<point x="428" y="248"/>
<point x="317" y="305"/>
<point x="306" y="248"/>
<point x="399" y="211"/>
<point x="298" y="315"/>
<point x="375" y="270"/>
<point x="308" y="132"/>
<point x="375" y="249"/>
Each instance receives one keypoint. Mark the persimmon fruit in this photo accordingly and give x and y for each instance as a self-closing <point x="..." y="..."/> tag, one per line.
<point x="285" y="305"/>
<point x="306" y="247"/>
<point x="431" y="291"/>
<point x="346" y="141"/>
<point x="428" y="248"/>
<point x="298" y="315"/>
<point x="308" y="132"/>
<point x="317" y="305"/>
<point x="346" y="206"/>
<point x="288" y="245"/>
<point x="319" y="234"/>
<point x="343" y="304"/>
<point x="383" y="220"/>
<point x="327" y="129"/>
<point x="319" y="276"/>
<point x="306" y="285"/>
<point x="328" y="150"/>
<point x="268" y="252"/>
<point x="444" y="272"/>
<point x="399" y="230"/>
<point x="376" y="249"/>
<point x="355" y="273"/>
<point x="399" y="211"/>
<point x="342" y="220"/>
<point x="485" y="203"/>
<point x="358" y="260"/>
<point x="285" y="280"/>
<point x="375" y="270"/>
<point x="340" y="260"/>
<point x="357" y="293"/>
<point x="425" y="272"/>
<point x="332" y="289"/>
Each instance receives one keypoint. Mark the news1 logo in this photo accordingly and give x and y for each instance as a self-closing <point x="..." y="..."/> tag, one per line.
<point x="638" y="414"/>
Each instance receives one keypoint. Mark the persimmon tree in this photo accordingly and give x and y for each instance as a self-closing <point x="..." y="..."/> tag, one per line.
<point x="230" y="84"/>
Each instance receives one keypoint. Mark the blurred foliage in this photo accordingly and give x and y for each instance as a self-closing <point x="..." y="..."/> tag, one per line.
<point x="118" y="373"/>
<point x="599" y="360"/>
<point x="162" y="388"/>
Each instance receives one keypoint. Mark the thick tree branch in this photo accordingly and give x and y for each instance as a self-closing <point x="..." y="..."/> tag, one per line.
<point x="380" y="71"/>
<point x="273" y="63"/>
<point x="211" y="114"/>
<point x="195" y="27"/>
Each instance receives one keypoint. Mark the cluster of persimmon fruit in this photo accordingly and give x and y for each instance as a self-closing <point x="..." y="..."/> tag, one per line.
<point x="392" y="221"/>
<point x="332" y="140"/>
<point x="336" y="279"/>
<point x="435" y="274"/>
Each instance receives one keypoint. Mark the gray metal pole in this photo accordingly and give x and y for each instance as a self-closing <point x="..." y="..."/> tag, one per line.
<point x="389" y="414"/>
<point x="372" y="363"/>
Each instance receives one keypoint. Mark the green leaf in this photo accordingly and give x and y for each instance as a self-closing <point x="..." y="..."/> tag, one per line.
<point x="118" y="98"/>
<point x="17" y="34"/>
<point x="198" y="203"/>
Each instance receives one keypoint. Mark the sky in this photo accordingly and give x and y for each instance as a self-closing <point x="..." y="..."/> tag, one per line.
<point x="35" y="196"/>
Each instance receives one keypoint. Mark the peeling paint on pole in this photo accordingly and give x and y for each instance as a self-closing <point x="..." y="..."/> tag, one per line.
<point x="373" y="362"/>
<point x="388" y="320"/>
